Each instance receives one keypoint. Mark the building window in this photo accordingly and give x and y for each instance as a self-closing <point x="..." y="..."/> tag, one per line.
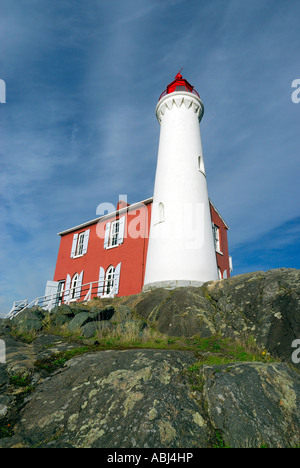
<point x="61" y="287"/>
<point x="216" y="233"/>
<point x="80" y="244"/>
<point x="73" y="286"/>
<point x="109" y="280"/>
<point x="79" y="247"/>
<point x="114" y="233"/>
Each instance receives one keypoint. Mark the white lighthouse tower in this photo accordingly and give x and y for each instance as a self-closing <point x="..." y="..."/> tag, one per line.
<point x="181" y="249"/>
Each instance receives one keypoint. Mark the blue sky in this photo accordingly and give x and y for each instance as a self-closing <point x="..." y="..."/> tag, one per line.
<point x="79" y="128"/>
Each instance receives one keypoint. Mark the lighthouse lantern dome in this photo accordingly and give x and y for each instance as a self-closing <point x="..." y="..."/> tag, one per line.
<point x="179" y="85"/>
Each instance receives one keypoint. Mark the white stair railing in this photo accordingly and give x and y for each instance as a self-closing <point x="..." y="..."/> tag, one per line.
<point x="48" y="303"/>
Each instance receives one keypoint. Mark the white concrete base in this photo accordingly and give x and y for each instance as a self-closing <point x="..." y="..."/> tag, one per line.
<point x="172" y="284"/>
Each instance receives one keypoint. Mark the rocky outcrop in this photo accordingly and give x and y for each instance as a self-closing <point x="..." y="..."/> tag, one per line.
<point x="68" y="392"/>
<point x="156" y="399"/>
<point x="262" y="305"/>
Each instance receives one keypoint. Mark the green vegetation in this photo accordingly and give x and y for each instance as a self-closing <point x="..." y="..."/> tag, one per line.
<point x="19" y="381"/>
<point x="58" y="360"/>
<point x="218" y="441"/>
<point x="6" y="430"/>
<point x="214" y="350"/>
<point x="24" y="335"/>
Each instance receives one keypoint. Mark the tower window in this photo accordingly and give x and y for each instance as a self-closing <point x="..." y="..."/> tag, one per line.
<point x="159" y="216"/>
<point x="201" y="167"/>
<point x="161" y="212"/>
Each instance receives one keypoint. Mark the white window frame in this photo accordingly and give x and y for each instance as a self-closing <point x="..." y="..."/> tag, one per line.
<point x="75" y="288"/>
<point x="80" y="244"/>
<point x="74" y="284"/>
<point x="109" y="280"/>
<point x="114" y="233"/>
<point x="61" y="290"/>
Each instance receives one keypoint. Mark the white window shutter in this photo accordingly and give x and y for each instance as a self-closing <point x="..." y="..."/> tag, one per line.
<point x="106" y="239"/>
<point x="117" y="279"/>
<point x="78" y="287"/>
<point x="101" y="282"/>
<point x="67" y="288"/>
<point x="86" y="241"/>
<point x="51" y="288"/>
<point x="74" y="245"/>
<point x="121" y="230"/>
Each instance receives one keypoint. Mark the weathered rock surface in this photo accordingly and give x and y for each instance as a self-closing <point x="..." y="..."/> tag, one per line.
<point x="159" y="398"/>
<point x="254" y="404"/>
<point x="116" y="399"/>
<point x="143" y="398"/>
<point x="264" y="305"/>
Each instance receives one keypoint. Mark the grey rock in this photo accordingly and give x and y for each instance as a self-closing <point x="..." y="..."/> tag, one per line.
<point x="262" y="305"/>
<point x="102" y="314"/>
<point x="145" y="398"/>
<point x="89" y="329"/>
<point x="30" y="319"/>
<point x="254" y="404"/>
<point x="79" y="321"/>
<point x="132" y="326"/>
<point x="120" y="399"/>
<point x="63" y="309"/>
<point x="4" y="378"/>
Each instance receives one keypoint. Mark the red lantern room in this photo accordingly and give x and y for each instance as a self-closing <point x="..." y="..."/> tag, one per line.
<point x="179" y="84"/>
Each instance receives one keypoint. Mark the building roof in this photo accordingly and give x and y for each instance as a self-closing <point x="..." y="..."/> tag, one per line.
<point x="124" y="210"/>
<point x="226" y="225"/>
<point x="108" y="215"/>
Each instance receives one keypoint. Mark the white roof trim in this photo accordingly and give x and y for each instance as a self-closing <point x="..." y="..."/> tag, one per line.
<point x="109" y="215"/>
<point x="124" y="210"/>
<point x="226" y="225"/>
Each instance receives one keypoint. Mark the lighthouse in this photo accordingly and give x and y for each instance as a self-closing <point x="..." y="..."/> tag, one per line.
<point x="181" y="249"/>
